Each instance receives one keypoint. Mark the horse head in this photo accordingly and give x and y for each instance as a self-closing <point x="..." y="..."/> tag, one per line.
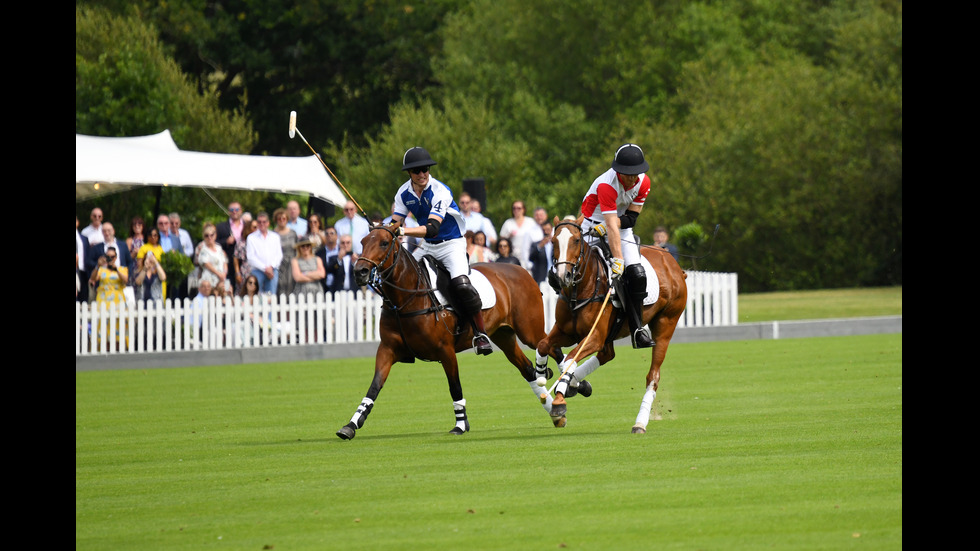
<point x="568" y="252"/>
<point x="380" y="249"/>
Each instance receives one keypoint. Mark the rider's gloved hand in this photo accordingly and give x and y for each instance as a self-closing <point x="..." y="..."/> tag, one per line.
<point x="618" y="266"/>
<point x="598" y="230"/>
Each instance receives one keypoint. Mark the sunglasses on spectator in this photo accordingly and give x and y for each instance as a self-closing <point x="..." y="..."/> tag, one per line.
<point x="234" y="209"/>
<point x="419" y="170"/>
<point x="209" y="234"/>
<point x="107" y="257"/>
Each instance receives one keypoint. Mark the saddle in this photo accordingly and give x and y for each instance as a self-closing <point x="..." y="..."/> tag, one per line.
<point x="653" y="288"/>
<point x="438" y="276"/>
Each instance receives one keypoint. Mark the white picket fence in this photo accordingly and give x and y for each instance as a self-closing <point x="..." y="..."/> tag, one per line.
<point x="346" y="317"/>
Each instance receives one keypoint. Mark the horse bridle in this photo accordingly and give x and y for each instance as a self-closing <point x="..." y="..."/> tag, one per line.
<point x="381" y="277"/>
<point x="581" y="255"/>
<point x="380" y="274"/>
<point x="578" y="275"/>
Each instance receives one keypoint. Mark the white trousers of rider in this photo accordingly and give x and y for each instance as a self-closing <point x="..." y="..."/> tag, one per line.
<point x="452" y="254"/>
<point x="631" y="252"/>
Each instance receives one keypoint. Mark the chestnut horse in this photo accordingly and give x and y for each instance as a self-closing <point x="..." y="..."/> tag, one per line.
<point x="415" y="324"/>
<point x="584" y="286"/>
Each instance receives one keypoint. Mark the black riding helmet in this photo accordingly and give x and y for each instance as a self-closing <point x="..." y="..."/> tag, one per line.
<point x="629" y="160"/>
<point x="416" y="157"/>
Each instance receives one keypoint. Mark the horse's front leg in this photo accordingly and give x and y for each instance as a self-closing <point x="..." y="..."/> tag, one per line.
<point x="382" y="367"/>
<point x="549" y="346"/>
<point x="572" y="379"/>
<point x="451" y="367"/>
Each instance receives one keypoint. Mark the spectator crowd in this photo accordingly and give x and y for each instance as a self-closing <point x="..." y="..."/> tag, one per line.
<point x="282" y="253"/>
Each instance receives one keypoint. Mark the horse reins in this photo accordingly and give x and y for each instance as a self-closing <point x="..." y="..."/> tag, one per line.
<point x="579" y="275"/>
<point x="384" y="276"/>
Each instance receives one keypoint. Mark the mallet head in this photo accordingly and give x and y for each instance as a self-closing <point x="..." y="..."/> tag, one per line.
<point x="292" y="124"/>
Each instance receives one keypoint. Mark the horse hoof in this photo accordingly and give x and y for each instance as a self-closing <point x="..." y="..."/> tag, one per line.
<point x="458" y="431"/>
<point x="585" y="388"/>
<point x="346" y="432"/>
<point x="558" y="411"/>
<point x="639" y="430"/>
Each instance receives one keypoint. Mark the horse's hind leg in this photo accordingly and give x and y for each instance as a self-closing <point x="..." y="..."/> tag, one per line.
<point x="663" y="331"/>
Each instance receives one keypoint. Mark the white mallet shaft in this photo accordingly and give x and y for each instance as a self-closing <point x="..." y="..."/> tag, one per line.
<point x="292" y="124"/>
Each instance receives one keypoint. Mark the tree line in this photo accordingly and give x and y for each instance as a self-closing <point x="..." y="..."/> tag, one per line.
<point x="780" y="123"/>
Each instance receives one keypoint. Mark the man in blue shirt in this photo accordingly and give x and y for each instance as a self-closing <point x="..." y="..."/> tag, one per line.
<point x="441" y="232"/>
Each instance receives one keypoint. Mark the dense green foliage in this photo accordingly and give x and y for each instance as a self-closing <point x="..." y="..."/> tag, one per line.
<point x="780" y="122"/>
<point x="781" y="445"/>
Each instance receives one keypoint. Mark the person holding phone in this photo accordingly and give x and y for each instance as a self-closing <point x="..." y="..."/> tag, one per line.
<point x="109" y="280"/>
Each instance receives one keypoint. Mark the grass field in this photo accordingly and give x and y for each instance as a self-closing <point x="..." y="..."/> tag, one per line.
<point x="820" y="304"/>
<point x="780" y="444"/>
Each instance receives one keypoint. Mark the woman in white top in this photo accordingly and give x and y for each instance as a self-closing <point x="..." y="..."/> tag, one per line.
<point x="522" y="231"/>
<point x="213" y="261"/>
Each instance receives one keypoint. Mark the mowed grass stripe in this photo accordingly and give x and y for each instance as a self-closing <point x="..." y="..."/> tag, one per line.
<point x="789" y="444"/>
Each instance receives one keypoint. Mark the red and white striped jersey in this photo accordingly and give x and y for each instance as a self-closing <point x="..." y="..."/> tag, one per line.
<point x="607" y="195"/>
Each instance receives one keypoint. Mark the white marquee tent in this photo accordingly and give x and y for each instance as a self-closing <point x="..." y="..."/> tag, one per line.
<point x="108" y="165"/>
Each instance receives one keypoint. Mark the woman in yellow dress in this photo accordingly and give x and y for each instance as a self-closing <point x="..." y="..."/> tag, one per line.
<point x="108" y="280"/>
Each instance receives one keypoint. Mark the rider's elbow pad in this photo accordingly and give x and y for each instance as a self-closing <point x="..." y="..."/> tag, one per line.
<point x="432" y="227"/>
<point x="628" y="219"/>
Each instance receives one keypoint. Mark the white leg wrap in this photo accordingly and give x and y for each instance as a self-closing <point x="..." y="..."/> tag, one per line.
<point x="562" y="384"/>
<point x="362" y="411"/>
<point x="586" y="369"/>
<point x="540" y="363"/>
<point x="459" y="407"/>
<point x="643" y="417"/>
<point x="541" y="393"/>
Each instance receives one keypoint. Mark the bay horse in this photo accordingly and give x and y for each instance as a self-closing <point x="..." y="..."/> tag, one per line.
<point x="583" y="282"/>
<point x="416" y="324"/>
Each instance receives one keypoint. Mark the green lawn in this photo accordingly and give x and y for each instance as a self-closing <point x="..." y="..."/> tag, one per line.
<point x="789" y="444"/>
<point x="821" y="304"/>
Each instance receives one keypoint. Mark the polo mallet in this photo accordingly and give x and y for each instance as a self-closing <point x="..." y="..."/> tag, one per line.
<point x="292" y="133"/>
<point x="569" y="362"/>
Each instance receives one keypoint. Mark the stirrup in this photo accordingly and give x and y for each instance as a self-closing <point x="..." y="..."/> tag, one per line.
<point x="482" y="344"/>
<point x="641" y="338"/>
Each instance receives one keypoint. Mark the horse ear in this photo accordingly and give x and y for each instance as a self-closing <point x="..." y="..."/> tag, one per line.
<point x="555" y="221"/>
<point x="579" y="219"/>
